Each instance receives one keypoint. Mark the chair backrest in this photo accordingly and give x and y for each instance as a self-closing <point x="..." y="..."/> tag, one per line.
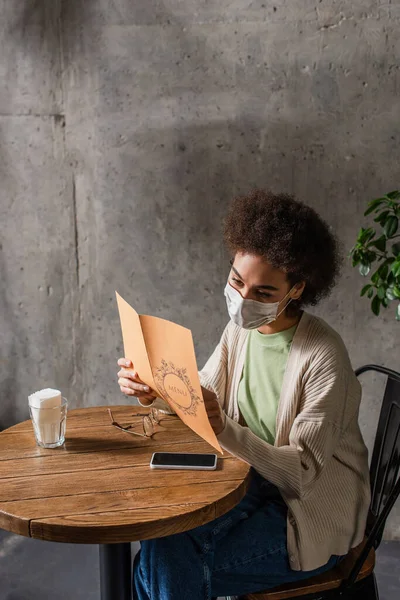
<point x="385" y="463"/>
<point x="385" y="460"/>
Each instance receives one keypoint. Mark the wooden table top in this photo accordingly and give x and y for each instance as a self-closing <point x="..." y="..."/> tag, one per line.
<point x="98" y="488"/>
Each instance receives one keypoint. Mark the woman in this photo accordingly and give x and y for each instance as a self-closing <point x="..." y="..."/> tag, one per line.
<point x="281" y="395"/>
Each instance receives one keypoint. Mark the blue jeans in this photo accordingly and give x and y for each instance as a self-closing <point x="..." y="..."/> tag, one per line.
<point x="240" y="552"/>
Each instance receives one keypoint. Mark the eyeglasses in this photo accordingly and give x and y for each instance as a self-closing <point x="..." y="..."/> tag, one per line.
<point x="149" y="422"/>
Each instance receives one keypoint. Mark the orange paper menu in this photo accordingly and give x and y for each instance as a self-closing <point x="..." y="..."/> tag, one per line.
<point x="163" y="355"/>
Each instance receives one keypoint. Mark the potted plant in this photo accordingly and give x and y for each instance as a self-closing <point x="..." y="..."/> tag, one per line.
<point x="379" y="249"/>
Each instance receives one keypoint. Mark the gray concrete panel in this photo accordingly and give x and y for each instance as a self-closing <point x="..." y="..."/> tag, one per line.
<point x="30" y="57"/>
<point x="328" y="15"/>
<point x="38" y="272"/>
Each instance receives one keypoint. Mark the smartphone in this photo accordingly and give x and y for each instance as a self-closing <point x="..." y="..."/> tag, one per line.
<point x="177" y="460"/>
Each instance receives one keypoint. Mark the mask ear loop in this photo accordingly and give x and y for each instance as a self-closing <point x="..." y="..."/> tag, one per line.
<point x="287" y="303"/>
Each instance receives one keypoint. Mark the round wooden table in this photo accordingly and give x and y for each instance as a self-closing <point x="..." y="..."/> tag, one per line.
<point x="99" y="489"/>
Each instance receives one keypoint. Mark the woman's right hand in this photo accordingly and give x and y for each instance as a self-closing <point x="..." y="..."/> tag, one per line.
<point x="131" y="384"/>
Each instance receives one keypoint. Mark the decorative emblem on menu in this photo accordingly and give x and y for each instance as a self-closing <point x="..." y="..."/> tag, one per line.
<point x="174" y="383"/>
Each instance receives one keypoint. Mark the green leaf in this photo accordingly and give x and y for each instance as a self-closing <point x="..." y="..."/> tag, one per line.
<point x="396" y="291"/>
<point x="389" y="294"/>
<point x="370" y="234"/>
<point x="373" y="205"/>
<point x="365" y="235"/>
<point x="365" y="289"/>
<point x="391" y="226"/>
<point x="396" y="249"/>
<point x="381" y="218"/>
<point x="376" y="305"/>
<point x="383" y="271"/>
<point x="375" y="277"/>
<point x="356" y="257"/>
<point x="381" y="292"/>
<point x="385" y="302"/>
<point x="395" y="195"/>
<point x="380" y="243"/>
<point x="395" y="269"/>
<point x="370" y="293"/>
<point x="364" y="270"/>
<point x="398" y="312"/>
<point x="360" y="234"/>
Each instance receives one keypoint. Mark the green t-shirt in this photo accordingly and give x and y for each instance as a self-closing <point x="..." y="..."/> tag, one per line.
<point x="260" y="386"/>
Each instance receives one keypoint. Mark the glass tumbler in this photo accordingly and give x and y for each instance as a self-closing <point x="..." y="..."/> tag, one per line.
<point x="49" y="424"/>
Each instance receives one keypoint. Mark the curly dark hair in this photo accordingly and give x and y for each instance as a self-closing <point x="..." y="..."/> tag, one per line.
<point x="291" y="236"/>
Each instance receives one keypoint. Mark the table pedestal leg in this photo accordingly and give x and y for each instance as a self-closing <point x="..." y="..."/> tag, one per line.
<point x="115" y="571"/>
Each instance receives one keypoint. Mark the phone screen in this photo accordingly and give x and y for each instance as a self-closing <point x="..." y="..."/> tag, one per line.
<point x="174" y="459"/>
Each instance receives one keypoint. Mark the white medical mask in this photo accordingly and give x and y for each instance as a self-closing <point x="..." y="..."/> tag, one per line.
<point x="251" y="314"/>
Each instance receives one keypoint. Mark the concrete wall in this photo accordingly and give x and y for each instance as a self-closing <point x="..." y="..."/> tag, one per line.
<point x="125" y="129"/>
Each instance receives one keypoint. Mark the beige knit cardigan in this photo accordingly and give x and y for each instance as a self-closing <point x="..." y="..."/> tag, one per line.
<point x="319" y="460"/>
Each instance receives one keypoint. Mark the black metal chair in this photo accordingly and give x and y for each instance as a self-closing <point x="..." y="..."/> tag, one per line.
<point x="354" y="577"/>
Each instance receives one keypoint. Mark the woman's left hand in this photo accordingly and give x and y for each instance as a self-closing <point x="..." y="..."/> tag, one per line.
<point x="214" y="411"/>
